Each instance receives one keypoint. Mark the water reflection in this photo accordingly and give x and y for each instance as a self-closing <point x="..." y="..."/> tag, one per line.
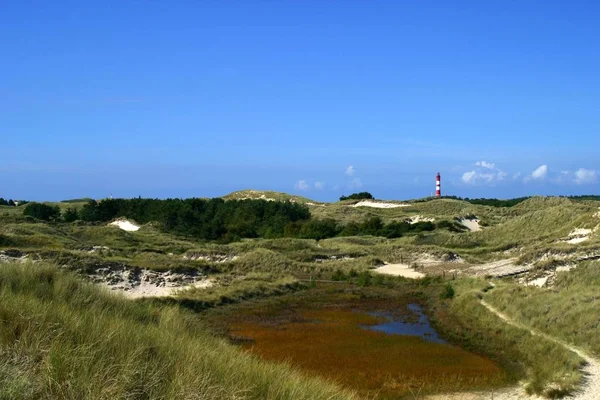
<point x="422" y="328"/>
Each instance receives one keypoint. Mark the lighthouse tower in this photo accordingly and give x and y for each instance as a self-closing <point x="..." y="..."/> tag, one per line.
<point x="438" y="191"/>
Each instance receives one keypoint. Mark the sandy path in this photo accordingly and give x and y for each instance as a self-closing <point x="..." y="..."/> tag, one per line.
<point x="591" y="388"/>
<point x="399" y="270"/>
<point x="375" y="204"/>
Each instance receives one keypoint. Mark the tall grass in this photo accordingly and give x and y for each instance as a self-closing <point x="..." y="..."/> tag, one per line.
<point x="570" y="310"/>
<point x="64" y="339"/>
<point x="545" y="367"/>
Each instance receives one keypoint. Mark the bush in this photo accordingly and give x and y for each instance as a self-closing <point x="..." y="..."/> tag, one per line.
<point x="358" y="196"/>
<point x="338" y="275"/>
<point x="213" y="219"/>
<point x="448" y="292"/>
<point x="41" y="211"/>
<point x="378" y="279"/>
<point x="70" y="215"/>
<point x="364" y="279"/>
<point x="319" y="229"/>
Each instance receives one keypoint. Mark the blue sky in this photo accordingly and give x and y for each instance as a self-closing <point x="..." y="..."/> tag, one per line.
<point x="200" y="98"/>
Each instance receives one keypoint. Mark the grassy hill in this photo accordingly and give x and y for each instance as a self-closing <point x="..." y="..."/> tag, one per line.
<point x="64" y="339"/>
<point x="267" y="195"/>
<point x="55" y="326"/>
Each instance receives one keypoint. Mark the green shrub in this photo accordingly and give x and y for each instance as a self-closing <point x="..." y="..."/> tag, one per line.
<point x="41" y="211"/>
<point x="358" y="196"/>
<point x="364" y="279"/>
<point x="338" y="275"/>
<point x="448" y="292"/>
<point x="70" y="215"/>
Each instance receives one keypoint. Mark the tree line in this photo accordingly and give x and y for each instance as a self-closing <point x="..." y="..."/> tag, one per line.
<point x="10" y="202"/>
<point x="217" y="219"/>
<point x="358" y="196"/>
<point x="486" y="202"/>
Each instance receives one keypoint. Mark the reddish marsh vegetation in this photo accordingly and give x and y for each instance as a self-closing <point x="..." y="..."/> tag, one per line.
<point x="332" y="341"/>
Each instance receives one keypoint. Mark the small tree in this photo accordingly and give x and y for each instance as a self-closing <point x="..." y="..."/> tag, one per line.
<point x="41" y="211"/>
<point x="70" y="215"/>
<point x="358" y="196"/>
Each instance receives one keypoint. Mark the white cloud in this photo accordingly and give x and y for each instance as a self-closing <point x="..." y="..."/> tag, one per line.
<point x="583" y="176"/>
<point x="485" y="164"/>
<point x="469" y="177"/>
<point x="540" y="172"/>
<point x="319" y="185"/>
<point x="472" y="177"/>
<point x="486" y="173"/>
<point x="516" y="175"/>
<point x="355" y="183"/>
<point x="563" y="177"/>
<point x="350" y="171"/>
<point x="301" y="185"/>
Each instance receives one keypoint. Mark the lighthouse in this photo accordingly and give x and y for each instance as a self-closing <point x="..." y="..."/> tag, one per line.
<point x="438" y="191"/>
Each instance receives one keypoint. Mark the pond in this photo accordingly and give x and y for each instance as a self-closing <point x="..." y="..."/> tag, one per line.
<point x="380" y="352"/>
<point x="394" y="326"/>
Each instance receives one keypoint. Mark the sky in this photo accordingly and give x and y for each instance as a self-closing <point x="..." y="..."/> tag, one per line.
<point x="312" y="97"/>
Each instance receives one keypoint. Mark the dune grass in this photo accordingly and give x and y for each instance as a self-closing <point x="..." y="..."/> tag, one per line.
<point x="64" y="339"/>
<point x="544" y="367"/>
<point x="568" y="311"/>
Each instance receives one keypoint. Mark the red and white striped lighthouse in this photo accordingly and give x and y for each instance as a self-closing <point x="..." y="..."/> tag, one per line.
<point x="438" y="191"/>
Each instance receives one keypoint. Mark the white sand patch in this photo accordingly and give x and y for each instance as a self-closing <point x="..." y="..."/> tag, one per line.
<point x="125" y="225"/>
<point x="577" y="240"/>
<point x="332" y="258"/>
<point x="578" y="235"/>
<point x="580" y="232"/>
<point x="499" y="268"/>
<point x="135" y="282"/>
<point x="216" y="258"/>
<point x="419" y="218"/>
<point x="539" y="282"/>
<point x="147" y="289"/>
<point x="471" y="224"/>
<point x="254" y="192"/>
<point x="399" y="270"/>
<point x="13" y="257"/>
<point x="98" y="248"/>
<point x="315" y="204"/>
<point x="565" y="268"/>
<point x="377" y="204"/>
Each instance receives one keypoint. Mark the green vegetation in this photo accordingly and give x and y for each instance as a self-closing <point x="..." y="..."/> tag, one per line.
<point x="63" y="339"/>
<point x="546" y="367"/>
<point x="322" y="331"/>
<point x="267" y="195"/>
<point x="82" y="200"/>
<point x="585" y="197"/>
<point x="568" y="311"/>
<point x="10" y="202"/>
<point x="358" y="196"/>
<point x="257" y="250"/>
<point x="491" y="202"/>
<point x="206" y="219"/>
<point x="41" y="211"/>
